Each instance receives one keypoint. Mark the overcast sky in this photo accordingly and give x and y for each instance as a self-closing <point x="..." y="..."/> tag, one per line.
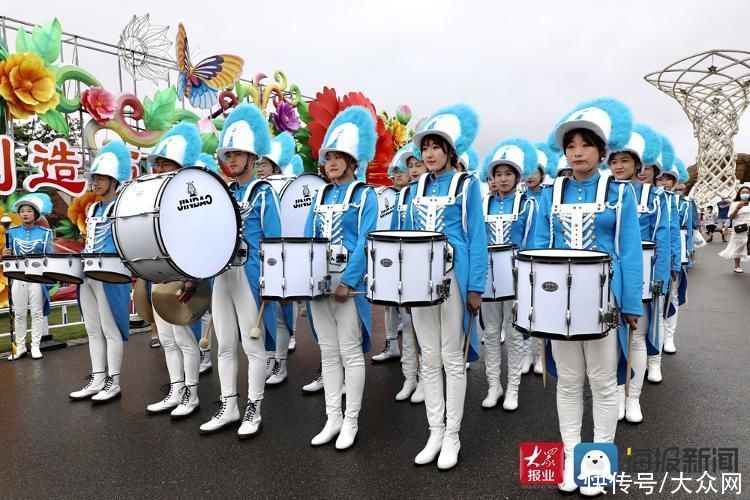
<point x="521" y="64"/>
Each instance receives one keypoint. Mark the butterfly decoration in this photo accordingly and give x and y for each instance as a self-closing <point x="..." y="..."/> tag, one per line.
<point x="201" y="83"/>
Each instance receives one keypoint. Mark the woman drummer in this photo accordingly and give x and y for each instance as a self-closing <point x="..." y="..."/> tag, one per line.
<point x="236" y="301"/>
<point x="179" y="148"/>
<point x="344" y="212"/>
<point x="449" y="202"/>
<point x="586" y="135"/>
<point x="105" y="307"/>
<point x="508" y="163"/>
<point x="29" y="238"/>
<point x="644" y="148"/>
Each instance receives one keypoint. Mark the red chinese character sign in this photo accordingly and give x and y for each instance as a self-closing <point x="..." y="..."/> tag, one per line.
<point x="540" y="463"/>
<point x="8" y="178"/>
<point x="57" y="166"/>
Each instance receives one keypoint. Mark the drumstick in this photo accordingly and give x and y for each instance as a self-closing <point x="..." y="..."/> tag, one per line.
<point x="468" y="340"/>
<point x="255" y="331"/>
<point x="203" y="344"/>
<point x="630" y="360"/>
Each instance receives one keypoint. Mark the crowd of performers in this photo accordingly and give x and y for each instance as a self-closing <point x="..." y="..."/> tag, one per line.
<point x="600" y="183"/>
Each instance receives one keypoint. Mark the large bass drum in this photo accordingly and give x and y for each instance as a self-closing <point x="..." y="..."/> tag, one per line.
<point x="175" y="226"/>
<point x="295" y="199"/>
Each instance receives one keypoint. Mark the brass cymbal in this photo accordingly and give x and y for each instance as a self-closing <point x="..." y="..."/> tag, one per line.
<point x="164" y="299"/>
<point x="142" y="302"/>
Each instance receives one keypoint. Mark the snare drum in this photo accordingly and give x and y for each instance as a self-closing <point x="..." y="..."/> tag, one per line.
<point x="294" y="268"/>
<point x="67" y="268"/>
<point x="684" y="257"/>
<point x="649" y="254"/>
<point x="499" y="284"/>
<point x="295" y="198"/>
<point x="386" y="206"/>
<point x="175" y="226"/>
<point x="14" y="267"/>
<point x="563" y="294"/>
<point x="35" y="268"/>
<point x="106" y="267"/>
<point x="407" y="268"/>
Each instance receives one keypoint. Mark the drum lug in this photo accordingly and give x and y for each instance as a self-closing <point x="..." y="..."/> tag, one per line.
<point x="531" y="315"/>
<point x="400" y="255"/>
<point x="400" y="288"/>
<point x="567" y="318"/>
<point x="262" y="283"/>
<point x="531" y="278"/>
<point x="283" y="282"/>
<point x="570" y="280"/>
<point x="602" y="279"/>
<point x="514" y="311"/>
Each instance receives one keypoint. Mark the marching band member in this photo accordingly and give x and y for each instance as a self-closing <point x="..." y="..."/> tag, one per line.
<point x="449" y="202"/>
<point x="644" y="148"/>
<point x="30" y="238"/>
<point x="236" y="301"/>
<point x="611" y="225"/>
<point x="394" y="316"/>
<point x="468" y="161"/>
<point x="178" y="148"/>
<point x="105" y="307"/>
<point x="344" y="212"/>
<point x="509" y="217"/>
<point x="281" y="153"/>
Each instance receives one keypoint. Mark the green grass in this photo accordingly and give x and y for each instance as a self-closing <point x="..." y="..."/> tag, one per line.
<point x="55" y="318"/>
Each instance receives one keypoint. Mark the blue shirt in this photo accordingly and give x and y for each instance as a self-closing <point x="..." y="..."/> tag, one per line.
<point x="101" y="241"/>
<point x="32" y="240"/>
<point x="655" y="227"/>
<point x="723" y="207"/>
<point x="522" y="229"/>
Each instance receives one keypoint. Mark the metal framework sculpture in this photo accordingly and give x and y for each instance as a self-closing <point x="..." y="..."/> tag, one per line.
<point x="712" y="88"/>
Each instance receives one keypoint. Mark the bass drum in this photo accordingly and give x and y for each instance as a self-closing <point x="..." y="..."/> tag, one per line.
<point x="295" y="199"/>
<point x="386" y="206"/>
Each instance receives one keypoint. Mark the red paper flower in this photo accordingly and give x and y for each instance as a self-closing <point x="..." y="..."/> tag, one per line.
<point x="99" y="103"/>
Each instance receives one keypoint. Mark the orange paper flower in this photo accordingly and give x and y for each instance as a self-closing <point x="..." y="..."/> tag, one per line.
<point x="78" y="208"/>
<point x="27" y="85"/>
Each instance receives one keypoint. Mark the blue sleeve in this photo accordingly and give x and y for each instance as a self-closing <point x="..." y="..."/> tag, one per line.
<point x="541" y="236"/>
<point x="355" y="268"/>
<point x="696" y="215"/>
<point x="631" y="255"/>
<point x="689" y="225"/>
<point x="48" y="248"/>
<point x="309" y="229"/>
<point x="395" y="214"/>
<point x="674" y="234"/>
<point x="477" y="236"/>
<point x="408" y="222"/>
<point x="270" y="214"/>
<point x="661" y="238"/>
<point x="532" y="215"/>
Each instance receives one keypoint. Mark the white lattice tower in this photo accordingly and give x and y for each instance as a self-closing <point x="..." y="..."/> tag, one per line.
<point x="712" y="88"/>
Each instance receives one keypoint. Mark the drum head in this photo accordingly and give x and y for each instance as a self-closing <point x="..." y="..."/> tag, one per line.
<point x="553" y="255"/>
<point x="416" y="236"/>
<point x="295" y="201"/>
<point x="386" y="205"/>
<point x="647" y="245"/>
<point x="279" y="181"/>
<point x="198" y="222"/>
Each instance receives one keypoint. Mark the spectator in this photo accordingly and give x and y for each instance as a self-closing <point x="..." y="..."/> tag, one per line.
<point x="723" y="208"/>
<point x="740" y="216"/>
<point x="710" y="220"/>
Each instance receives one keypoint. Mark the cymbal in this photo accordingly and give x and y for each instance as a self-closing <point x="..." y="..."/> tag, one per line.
<point x="142" y="301"/>
<point x="166" y="305"/>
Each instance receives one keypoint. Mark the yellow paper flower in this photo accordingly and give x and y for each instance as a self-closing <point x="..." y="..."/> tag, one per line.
<point x="78" y="209"/>
<point x="27" y="85"/>
<point x="400" y="133"/>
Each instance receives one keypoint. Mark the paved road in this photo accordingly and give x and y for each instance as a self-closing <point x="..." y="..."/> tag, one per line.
<point x="58" y="449"/>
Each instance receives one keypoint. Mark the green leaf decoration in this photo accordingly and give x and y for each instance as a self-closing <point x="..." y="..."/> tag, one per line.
<point x="183" y="115"/>
<point x="3" y="51"/>
<point x="157" y="112"/>
<point x="23" y="42"/>
<point x="218" y="123"/>
<point x="46" y="40"/>
<point x="303" y="110"/>
<point x="209" y="142"/>
<point x="56" y="121"/>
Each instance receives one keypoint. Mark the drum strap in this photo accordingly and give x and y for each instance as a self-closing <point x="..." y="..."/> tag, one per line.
<point x="96" y="227"/>
<point x="331" y="212"/>
<point x="500" y="224"/>
<point x="430" y="208"/>
<point x="577" y="218"/>
<point x="643" y="207"/>
<point x="246" y="203"/>
<point x="402" y="196"/>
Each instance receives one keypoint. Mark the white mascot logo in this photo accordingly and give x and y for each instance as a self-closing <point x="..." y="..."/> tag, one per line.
<point x="595" y="468"/>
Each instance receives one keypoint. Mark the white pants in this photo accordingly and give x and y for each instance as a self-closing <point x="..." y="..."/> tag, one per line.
<point x="392" y="320"/>
<point x="498" y="316"/>
<point x="233" y="306"/>
<point x="662" y="327"/>
<point x="670" y="324"/>
<point x="440" y="332"/>
<point x="408" y="349"/>
<point x="28" y="298"/>
<point x="180" y="350"/>
<point x="340" y="340"/>
<point x="537" y="350"/>
<point x="204" y="326"/>
<point x="639" y="357"/>
<point x="105" y="341"/>
<point x="575" y="360"/>
<point x="282" y="332"/>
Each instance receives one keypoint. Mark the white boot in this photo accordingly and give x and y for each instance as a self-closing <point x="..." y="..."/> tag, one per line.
<point x="189" y="403"/>
<point x="170" y="401"/>
<point x="316" y="385"/>
<point x="347" y="434"/>
<point x="20" y="352"/>
<point x="94" y="385"/>
<point x="510" y="403"/>
<point x="569" y="482"/>
<point x="391" y="351"/>
<point x="330" y="430"/>
<point x="110" y="391"/>
<point x="669" y="347"/>
<point x="654" y="369"/>
<point x="502" y="334"/>
<point x="205" y="365"/>
<point x="251" y="421"/>
<point x="35" y="352"/>
<point x="538" y="364"/>
<point x="431" y="450"/>
<point x="526" y="366"/>
<point x="633" y="411"/>
<point x="279" y="373"/>
<point x="620" y="402"/>
<point x="270" y="362"/>
<point x="226" y="414"/>
<point x="418" y="396"/>
<point x="494" y="393"/>
<point x="410" y="385"/>
<point x="449" y="453"/>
